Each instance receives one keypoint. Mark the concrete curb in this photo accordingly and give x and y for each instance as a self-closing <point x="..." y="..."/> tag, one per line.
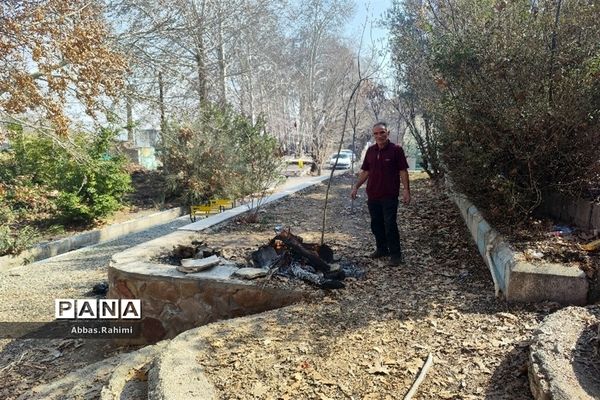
<point x="582" y="213"/>
<point x="557" y="366"/>
<point x="176" y="373"/>
<point x="227" y="215"/>
<point x="54" y="248"/>
<point x="129" y="370"/>
<point x="515" y="280"/>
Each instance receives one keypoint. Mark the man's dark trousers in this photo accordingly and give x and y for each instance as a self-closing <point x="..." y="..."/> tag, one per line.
<point x="384" y="226"/>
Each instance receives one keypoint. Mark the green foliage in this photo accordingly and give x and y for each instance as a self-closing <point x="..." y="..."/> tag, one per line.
<point x="73" y="182"/>
<point x="221" y="155"/>
<point x="512" y="93"/>
<point x="15" y="241"/>
<point x="256" y="164"/>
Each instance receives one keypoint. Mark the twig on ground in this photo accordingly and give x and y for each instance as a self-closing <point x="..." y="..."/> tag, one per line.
<point x="10" y="365"/>
<point x="420" y="378"/>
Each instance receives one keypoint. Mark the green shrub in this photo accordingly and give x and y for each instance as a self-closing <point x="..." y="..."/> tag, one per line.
<point x="15" y="241"/>
<point x="222" y="154"/>
<point x="72" y="209"/>
<point x="512" y="91"/>
<point x="78" y="181"/>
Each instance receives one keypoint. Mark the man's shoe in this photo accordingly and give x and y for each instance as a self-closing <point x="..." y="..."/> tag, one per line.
<point x="379" y="254"/>
<point x="396" y="260"/>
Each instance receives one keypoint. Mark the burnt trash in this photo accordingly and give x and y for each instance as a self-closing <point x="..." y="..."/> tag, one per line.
<point x="289" y="256"/>
<point x="183" y="251"/>
<point x="338" y="275"/>
<point x="198" y="249"/>
<point x="99" y="289"/>
<point x="264" y="256"/>
<point x="326" y="253"/>
<point x="561" y="230"/>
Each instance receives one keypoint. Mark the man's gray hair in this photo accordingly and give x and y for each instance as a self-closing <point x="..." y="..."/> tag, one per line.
<point x="381" y="123"/>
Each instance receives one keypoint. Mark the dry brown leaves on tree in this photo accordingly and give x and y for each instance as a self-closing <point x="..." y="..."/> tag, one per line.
<point x="52" y="51"/>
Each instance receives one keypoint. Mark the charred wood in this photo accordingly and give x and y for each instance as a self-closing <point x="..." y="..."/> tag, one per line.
<point x="295" y="245"/>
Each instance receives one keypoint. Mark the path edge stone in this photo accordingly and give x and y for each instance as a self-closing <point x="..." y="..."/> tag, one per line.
<point x="56" y="247"/>
<point x="176" y="374"/>
<point x="517" y="281"/>
<point x="550" y="371"/>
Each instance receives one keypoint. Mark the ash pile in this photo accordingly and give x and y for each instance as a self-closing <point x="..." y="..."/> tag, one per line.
<point x="289" y="256"/>
<point x="286" y="255"/>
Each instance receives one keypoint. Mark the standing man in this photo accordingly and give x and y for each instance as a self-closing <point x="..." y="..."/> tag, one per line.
<point x="383" y="168"/>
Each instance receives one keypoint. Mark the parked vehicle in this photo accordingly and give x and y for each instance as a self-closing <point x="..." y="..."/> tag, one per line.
<point x="344" y="161"/>
<point x="347" y="151"/>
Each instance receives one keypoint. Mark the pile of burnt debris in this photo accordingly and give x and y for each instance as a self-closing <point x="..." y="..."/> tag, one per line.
<point x="286" y="255"/>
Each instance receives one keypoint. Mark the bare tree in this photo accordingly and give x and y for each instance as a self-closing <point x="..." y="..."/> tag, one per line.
<point x="322" y="65"/>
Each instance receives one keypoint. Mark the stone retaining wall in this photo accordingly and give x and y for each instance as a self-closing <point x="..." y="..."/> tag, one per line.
<point x="173" y="302"/>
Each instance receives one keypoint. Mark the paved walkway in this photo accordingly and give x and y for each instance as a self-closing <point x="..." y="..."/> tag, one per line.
<point x="292" y="185"/>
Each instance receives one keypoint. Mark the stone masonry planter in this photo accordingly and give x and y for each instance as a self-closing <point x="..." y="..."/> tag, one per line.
<point x="173" y="302"/>
<point x="516" y="280"/>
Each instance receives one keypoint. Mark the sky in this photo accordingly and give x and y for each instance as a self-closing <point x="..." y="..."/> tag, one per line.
<point x="376" y="35"/>
<point x="372" y="11"/>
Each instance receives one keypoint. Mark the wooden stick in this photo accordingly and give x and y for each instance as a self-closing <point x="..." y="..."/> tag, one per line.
<point x="420" y="378"/>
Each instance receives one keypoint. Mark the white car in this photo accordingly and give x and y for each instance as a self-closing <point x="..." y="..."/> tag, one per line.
<point x="346" y="151"/>
<point x="344" y="161"/>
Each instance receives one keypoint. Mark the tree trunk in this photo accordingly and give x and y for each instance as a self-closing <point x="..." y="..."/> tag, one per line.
<point x="161" y="103"/>
<point x="129" y="106"/>
<point x="201" y="69"/>
<point x="221" y="59"/>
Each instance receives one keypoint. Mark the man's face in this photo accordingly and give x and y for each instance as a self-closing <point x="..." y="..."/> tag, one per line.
<point x="380" y="133"/>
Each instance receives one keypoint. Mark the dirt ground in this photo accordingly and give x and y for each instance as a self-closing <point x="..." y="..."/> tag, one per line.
<point x="543" y="241"/>
<point x="369" y="340"/>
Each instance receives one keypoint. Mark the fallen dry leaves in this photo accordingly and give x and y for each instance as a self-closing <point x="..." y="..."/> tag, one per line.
<point x="370" y="340"/>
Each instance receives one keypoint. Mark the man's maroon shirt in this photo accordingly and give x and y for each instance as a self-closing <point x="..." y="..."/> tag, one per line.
<point x="384" y="166"/>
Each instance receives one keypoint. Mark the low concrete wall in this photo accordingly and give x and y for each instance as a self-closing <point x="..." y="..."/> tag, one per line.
<point x="582" y="213"/>
<point x="54" y="248"/>
<point x="520" y="281"/>
<point x="173" y="302"/>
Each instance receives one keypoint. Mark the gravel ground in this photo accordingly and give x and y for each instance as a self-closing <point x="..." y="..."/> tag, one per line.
<point x="27" y="294"/>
